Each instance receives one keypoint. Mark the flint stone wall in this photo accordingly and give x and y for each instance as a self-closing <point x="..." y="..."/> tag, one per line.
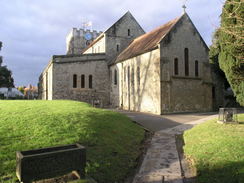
<point x="138" y="93"/>
<point x="65" y="67"/>
<point x="181" y="93"/>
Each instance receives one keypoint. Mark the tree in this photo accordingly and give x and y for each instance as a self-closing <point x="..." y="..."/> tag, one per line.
<point x="231" y="46"/>
<point x="1" y="58"/>
<point x="214" y="58"/>
<point x="6" y="79"/>
<point x="21" y="89"/>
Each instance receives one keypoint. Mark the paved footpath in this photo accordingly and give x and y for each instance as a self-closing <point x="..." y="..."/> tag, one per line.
<point x="156" y="123"/>
<point x="162" y="158"/>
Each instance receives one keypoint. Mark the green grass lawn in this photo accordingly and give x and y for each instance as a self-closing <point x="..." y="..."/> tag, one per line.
<point x="113" y="142"/>
<point x="217" y="151"/>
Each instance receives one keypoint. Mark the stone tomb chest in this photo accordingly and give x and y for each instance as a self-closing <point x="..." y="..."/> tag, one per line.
<point x="50" y="162"/>
<point x="227" y="115"/>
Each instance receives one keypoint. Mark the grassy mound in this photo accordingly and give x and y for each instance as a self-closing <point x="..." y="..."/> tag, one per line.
<point x="112" y="140"/>
<point x="217" y="151"/>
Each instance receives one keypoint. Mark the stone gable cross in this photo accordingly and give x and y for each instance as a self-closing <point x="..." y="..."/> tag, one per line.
<point x="184" y="5"/>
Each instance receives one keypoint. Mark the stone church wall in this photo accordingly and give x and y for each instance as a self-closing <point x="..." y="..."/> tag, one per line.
<point x="118" y="35"/>
<point x="137" y="90"/>
<point x="76" y="42"/>
<point x="181" y="93"/>
<point x="115" y="89"/>
<point x="98" y="47"/>
<point x="145" y="83"/>
<point x="64" y="67"/>
<point x="45" y="83"/>
<point x="190" y="95"/>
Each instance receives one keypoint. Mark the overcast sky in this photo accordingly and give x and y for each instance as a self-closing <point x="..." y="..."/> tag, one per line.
<point x="34" y="30"/>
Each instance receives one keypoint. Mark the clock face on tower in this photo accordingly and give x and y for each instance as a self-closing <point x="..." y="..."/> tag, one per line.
<point x="88" y="36"/>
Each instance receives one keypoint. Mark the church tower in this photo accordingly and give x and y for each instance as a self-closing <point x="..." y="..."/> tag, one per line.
<point x="78" y="39"/>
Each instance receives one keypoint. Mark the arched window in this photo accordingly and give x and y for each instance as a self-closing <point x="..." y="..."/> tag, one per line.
<point x="186" y="53"/>
<point x="74" y="81"/>
<point x="82" y="84"/>
<point x="176" y="67"/>
<point x="117" y="47"/>
<point x="115" y="77"/>
<point x="90" y="81"/>
<point x="128" y="76"/>
<point x="196" y="68"/>
<point x="138" y="76"/>
<point x="133" y="80"/>
<point x="124" y="74"/>
<point x="128" y="32"/>
<point x="132" y="76"/>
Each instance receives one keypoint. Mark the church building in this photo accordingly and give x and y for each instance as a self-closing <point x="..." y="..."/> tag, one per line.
<point x="163" y="71"/>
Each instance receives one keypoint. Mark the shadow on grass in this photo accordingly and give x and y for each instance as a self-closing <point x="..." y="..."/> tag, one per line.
<point x="224" y="172"/>
<point x="113" y="145"/>
<point x="229" y="172"/>
<point x="232" y="172"/>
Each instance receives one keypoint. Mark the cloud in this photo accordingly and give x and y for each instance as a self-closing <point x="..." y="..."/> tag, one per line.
<point x="33" y="31"/>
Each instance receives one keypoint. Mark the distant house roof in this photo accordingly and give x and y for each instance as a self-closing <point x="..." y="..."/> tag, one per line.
<point x="147" y="42"/>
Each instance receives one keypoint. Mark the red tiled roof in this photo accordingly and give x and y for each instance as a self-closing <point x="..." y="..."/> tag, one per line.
<point x="146" y="42"/>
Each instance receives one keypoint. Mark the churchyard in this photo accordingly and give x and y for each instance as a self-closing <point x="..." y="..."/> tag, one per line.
<point x="217" y="151"/>
<point x="113" y="143"/>
<point x="171" y="69"/>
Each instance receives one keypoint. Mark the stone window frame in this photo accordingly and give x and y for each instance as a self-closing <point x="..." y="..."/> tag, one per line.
<point x="129" y="32"/>
<point x="46" y="85"/>
<point x="90" y="81"/>
<point x="196" y="68"/>
<point x="117" y="47"/>
<point x="111" y="75"/>
<point x="186" y="60"/>
<point x="74" y="80"/>
<point x="83" y="81"/>
<point x="115" y="77"/>
<point x="176" y="66"/>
